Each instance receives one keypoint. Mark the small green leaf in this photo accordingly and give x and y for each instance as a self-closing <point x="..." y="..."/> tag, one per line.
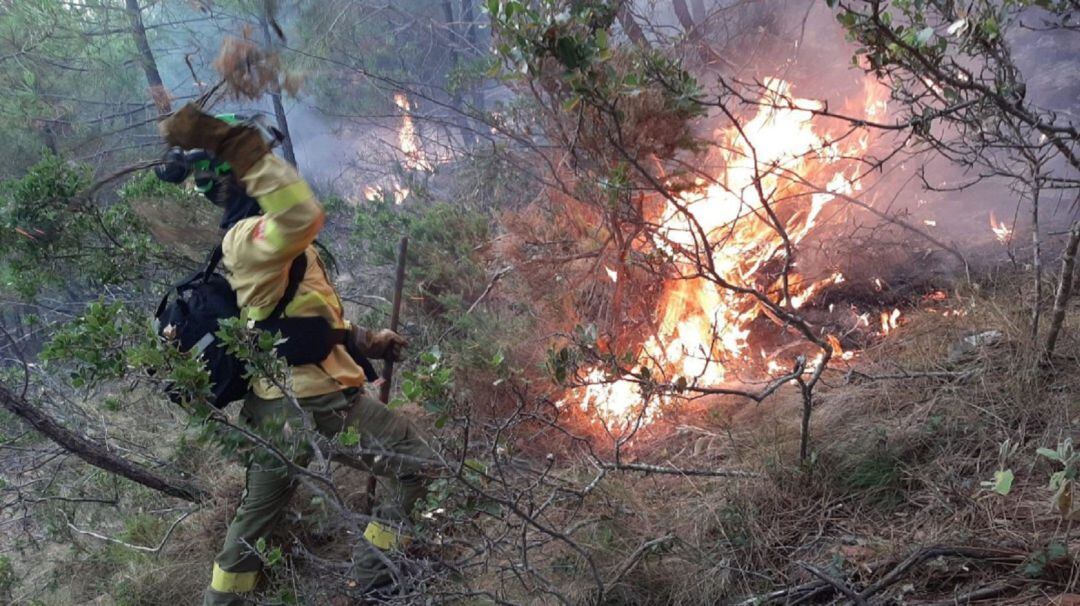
<point x="410" y="389"/>
<point x="601" y="38"/>
<point x="274" y="556"/>
<point x="1057" y="551"/>
<point x="260" y="545"/>
<point x="349" y="437"/>
<point x="476" y="465"/>
<point x="1035" y="564"/>
<point x="1002" y="483"/>
<point x="1049" y="453"/>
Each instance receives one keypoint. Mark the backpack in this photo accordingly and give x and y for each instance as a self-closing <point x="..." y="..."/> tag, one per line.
<point x="191" y="311"/>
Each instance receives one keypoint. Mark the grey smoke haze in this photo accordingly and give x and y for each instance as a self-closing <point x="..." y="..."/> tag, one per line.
<point x="799" y="41"/>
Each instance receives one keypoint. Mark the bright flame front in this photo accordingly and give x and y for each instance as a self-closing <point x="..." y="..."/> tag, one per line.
<point x="741" y="216"/>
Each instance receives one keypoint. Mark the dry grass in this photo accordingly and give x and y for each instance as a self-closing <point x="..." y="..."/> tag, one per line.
<point x="898" y="465"/>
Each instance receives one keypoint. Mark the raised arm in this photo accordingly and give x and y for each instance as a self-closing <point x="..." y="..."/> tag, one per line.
<point x="291" y="218"/>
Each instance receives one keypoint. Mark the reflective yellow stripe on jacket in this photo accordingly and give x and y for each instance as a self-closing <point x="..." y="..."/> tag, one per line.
<point x="257" y="254"/>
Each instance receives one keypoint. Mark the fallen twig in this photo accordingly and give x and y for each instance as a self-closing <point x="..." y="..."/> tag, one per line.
<point x="645" y="468"/>
<point x="788" y="592"/>
<point x="983" y="593"/>
<point x="927" y="553"/>
<point x="160" y="545"/>
<point x="836" y="583"/>
<point x="798" y="593"/>
<point x="904" y="374"/>
<point x="632" y="560"/>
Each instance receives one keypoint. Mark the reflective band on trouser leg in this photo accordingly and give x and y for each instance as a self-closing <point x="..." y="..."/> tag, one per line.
<point x="384" y="537"/>
<point x="233" y="582"/>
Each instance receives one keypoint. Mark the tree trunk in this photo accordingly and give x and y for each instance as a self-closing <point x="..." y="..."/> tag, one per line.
<point x="469" y="17"/>
<point x="697" y="9"/>
<point x="93" y="452"/>
<point x="683" y="14"/>
<point x="1064" y="290"/>
<point x="1036" y="260"/>
<point x="467" y="136"/>
<point x="275" y="97"/>
<point x="158" y="94"/>
<point x="631" y="27"/>
<point x="693" y="32"/>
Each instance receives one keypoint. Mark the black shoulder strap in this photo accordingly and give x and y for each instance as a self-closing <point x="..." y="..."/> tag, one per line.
<point x="296" y="276"/>
<point x="212" y="263"/>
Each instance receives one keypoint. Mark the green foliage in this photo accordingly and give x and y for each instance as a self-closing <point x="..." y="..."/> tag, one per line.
<point x="110" y="341"/>
<point x="928" y="40"/>
<point x="431" y="385"/>
<point x="874" y="471"/>
<point x="66" y="66"/>
<point x="253" y="347"/>
<point x="8" y="578"/>
<point x="445" y="275"/>
<point x="1042" y="560"/>
<point x="349" y="438"/>
<point x="1063" y="480"/>
<point x="1002" y="482"/>
<point x="270" y="557"/>
<point x="94" y="345"/>
<point x="576" y="37"/>
<point x="373" y="41"/>
<point x="146" y="185"/>
<point x="442" y="244"/>
<point x="143" y="529"/>
<point x="54" y="236"/>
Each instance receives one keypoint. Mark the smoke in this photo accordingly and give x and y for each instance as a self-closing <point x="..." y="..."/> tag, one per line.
<point x="803" y="43"/>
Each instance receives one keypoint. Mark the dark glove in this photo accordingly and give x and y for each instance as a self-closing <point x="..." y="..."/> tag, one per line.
<point x="380" y="345"/>
<point x="175" y="168"/>
<point x="240" y="146"/>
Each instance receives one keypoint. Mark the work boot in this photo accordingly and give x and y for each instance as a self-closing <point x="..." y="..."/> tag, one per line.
<point x="373" y="575"/>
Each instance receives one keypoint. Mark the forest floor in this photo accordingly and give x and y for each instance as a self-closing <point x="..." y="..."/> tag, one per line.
<point x="896" y="506"/>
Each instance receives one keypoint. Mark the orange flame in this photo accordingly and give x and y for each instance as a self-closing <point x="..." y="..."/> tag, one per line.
<point x="408" y="140"/>
<point x="1002" y="232"/>
<point x="889" y="321"/>
<point x="701" y="327"/>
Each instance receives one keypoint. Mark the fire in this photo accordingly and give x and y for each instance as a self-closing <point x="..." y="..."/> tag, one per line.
<point x="889" y="321"/>
<point x="396" y="192"/>
<point x="837" y="349"/>
<point x="702" y="328"/>
<point x="408" y="140"/>
<point x="1002" y="232"/>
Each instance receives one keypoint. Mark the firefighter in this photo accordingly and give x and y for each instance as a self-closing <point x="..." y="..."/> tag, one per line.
<point x="271" y="217"/>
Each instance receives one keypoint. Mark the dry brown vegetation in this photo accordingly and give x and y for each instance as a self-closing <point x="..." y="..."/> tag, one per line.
<point x="898" y="469"/>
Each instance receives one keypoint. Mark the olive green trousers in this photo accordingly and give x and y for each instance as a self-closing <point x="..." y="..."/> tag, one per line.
<point x="271" y="483"/>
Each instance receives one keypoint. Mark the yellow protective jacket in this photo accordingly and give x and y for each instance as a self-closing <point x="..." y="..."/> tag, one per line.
<point x="257" y="254"/>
